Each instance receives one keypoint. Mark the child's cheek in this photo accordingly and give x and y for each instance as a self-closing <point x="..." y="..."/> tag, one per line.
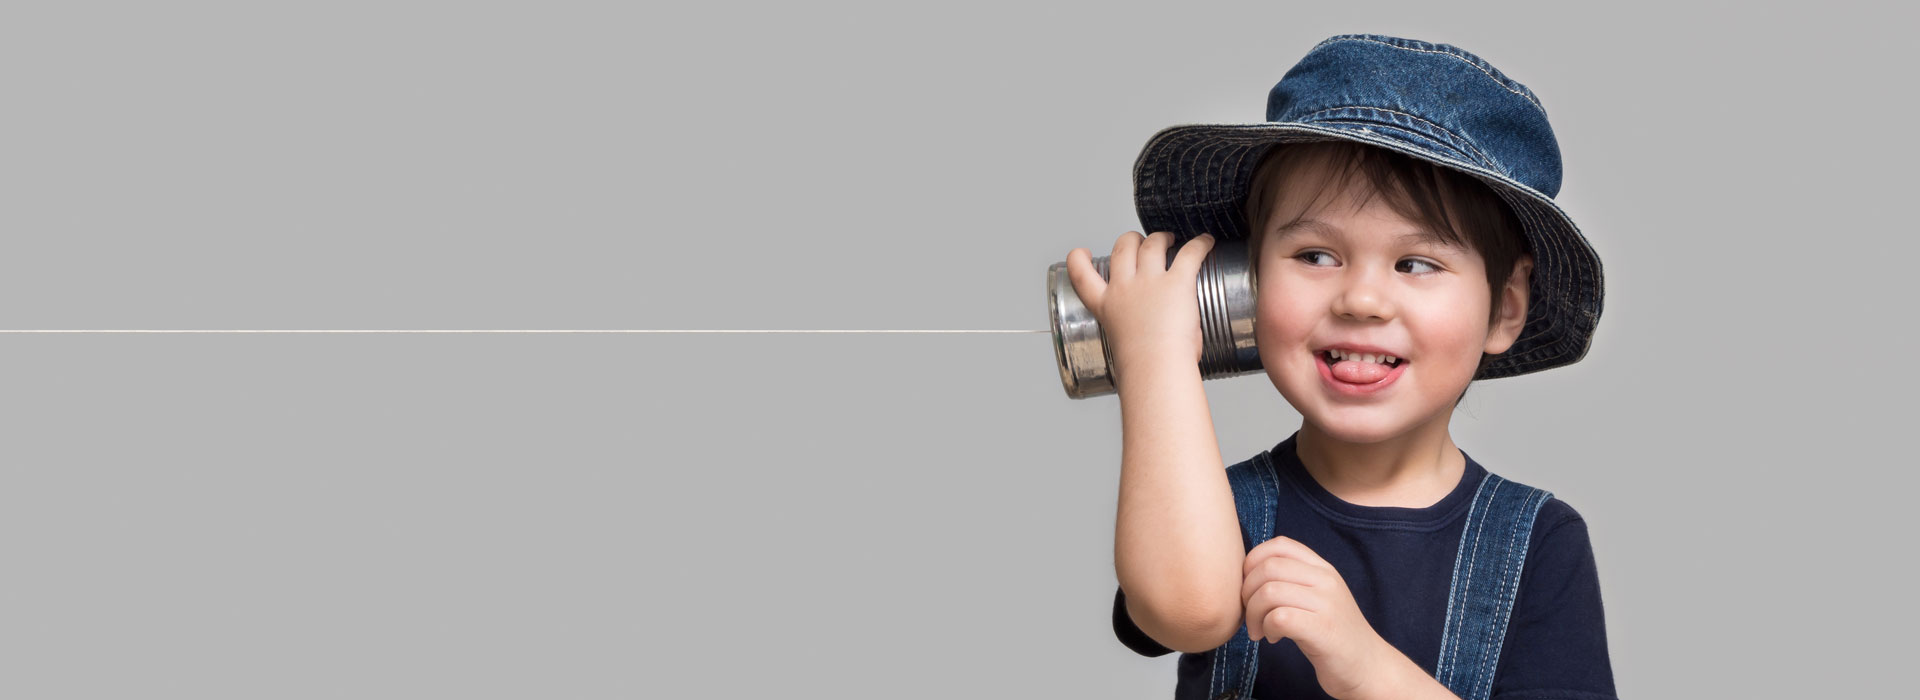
<point x="1451" y="332"/>
<point x="1282" y="322"/>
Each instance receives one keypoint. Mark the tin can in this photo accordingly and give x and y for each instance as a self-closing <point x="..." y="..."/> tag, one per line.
<point x="1224" y="290"/>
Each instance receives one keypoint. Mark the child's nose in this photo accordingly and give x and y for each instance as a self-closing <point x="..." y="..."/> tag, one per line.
<point x="1362" y="299"/>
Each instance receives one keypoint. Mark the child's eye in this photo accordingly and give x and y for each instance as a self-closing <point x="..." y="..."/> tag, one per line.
<point x="1307" y="256"/>
<point x="1303" y="256"/>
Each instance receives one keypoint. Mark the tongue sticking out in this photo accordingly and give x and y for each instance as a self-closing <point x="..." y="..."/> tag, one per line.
<point x="1359" y="372"/>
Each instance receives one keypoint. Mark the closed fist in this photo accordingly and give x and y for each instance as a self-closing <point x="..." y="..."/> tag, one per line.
<point x="1292" y="593"/>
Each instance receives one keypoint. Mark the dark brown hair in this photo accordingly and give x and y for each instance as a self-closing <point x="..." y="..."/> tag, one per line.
<point x="1430" y="195"/>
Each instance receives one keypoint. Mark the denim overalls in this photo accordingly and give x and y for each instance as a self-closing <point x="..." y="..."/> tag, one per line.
<point x="1486" y="578"/>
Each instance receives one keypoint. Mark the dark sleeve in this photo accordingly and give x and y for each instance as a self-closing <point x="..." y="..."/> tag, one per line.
<point x="1556" y="643"/>
<point x="1130" y="633"/>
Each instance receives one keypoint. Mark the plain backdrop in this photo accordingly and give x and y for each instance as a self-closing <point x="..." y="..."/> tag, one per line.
<point x="853" y="515"/>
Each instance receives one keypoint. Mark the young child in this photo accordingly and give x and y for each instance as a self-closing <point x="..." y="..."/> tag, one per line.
<point x="1397" y="209"/>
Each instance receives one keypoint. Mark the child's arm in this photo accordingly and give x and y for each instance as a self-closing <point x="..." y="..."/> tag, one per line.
<point x="1177" y="548"/>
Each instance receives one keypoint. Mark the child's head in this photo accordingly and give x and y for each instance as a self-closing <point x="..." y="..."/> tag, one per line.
<point x="1373" y="136"/>
<point x="1330" y="269"/>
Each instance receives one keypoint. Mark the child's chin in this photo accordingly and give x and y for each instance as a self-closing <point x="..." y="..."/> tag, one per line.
<point x="1358" y="430"/>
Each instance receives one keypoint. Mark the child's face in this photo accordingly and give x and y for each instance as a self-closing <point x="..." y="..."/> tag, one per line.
<point x="1350" y="280"/>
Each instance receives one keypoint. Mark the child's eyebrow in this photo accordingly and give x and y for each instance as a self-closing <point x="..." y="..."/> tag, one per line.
<point x="1331" y="231"/>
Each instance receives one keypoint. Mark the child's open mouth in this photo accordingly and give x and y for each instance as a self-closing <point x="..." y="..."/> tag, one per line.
<point x="1353" y="374"/>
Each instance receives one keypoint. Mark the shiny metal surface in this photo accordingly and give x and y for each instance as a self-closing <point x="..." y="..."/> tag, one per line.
<point x="1224" y="291"/>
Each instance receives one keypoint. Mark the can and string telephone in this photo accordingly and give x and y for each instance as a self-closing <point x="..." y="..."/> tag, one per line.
<point x="1224" y="291"/>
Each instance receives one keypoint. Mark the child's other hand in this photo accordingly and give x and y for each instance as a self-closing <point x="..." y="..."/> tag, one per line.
<point x="1290" y="592"/>
<point x="1146" y="308"/>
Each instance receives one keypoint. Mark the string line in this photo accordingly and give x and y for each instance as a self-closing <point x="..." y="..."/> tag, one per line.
<point x="596" y="330"/>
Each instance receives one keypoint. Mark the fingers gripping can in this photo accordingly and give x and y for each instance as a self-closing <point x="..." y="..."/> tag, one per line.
<point x="1224" y="290"/>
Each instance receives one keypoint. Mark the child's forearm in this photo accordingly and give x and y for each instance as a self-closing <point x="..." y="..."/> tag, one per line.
<point x="1177" y="548"/>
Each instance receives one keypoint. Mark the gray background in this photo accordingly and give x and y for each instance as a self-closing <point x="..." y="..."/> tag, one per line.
<point x="861" y="515"/>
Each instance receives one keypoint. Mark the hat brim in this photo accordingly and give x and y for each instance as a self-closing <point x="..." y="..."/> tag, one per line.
<point x="1193" y="178"/>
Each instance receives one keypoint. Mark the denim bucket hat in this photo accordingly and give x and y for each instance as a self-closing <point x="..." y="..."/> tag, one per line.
<point x="1434" y="102"/>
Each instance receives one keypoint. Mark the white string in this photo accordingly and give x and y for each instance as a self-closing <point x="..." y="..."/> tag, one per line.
<point x="143" y="330"/>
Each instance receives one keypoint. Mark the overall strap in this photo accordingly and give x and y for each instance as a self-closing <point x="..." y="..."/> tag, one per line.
<point x="1486" y="579"/>
<point x="1256" y="494"/>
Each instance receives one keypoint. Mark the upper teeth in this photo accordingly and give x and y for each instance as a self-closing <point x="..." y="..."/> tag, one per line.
<point x="1361" y="356"/>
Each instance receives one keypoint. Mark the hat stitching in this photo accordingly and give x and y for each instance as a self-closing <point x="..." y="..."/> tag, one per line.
<point x="1461" y="56"/>
<point x="1544" y="232"/>
<point x="1567" y="244"/>
<point x="1237" y="169"/>
<point x="1467" y="143"/>
<point x="1242" y="166"/>
<point x="1216" y="154"/>
<point x="1203" y="155"/>
<point x="1462" y="154"/>
<point x="1555" y="257"/>
<point x="1194" y="153"/>
<point x="1456" y="152"/>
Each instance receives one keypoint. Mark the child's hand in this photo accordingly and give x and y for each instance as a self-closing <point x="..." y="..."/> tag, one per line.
<point x="1292" y="593"/>
<point x="1146" y="308"/>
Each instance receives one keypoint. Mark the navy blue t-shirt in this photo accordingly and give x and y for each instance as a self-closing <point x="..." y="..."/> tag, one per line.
<point x="1398" y="562"/>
